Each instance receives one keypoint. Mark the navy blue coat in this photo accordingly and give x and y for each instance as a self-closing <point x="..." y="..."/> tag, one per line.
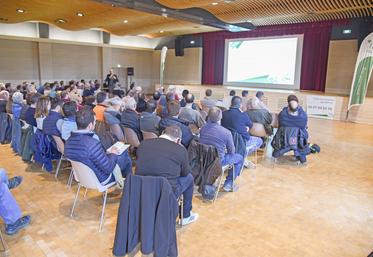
<point x="49" y="124"/>
<point x="147" y="214"/>
<point x="130" y="119"/>
<point x="187" y="134"/>
<point x="234" y="119"/>
<point x="82" y="147"/>
<point x="287" y="120"/>
<point x="30" y="116"/>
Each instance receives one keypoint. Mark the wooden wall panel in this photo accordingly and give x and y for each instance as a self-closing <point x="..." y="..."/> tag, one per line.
<point x="341" y="66"/>
<point x="18" y="61"/>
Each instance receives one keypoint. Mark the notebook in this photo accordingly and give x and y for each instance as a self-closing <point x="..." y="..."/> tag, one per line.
<point x="120" y="146"/>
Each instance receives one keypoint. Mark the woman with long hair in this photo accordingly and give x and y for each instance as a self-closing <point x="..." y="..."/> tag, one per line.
<point x="41" y="111"/>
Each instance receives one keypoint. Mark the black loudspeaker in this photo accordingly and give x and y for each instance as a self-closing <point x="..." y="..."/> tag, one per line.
<point x="179" y="47"/>
<point x="130" y="71"/>
<point x="365" y="28"/>
<point x="43" y="30"/>
<point x="105" y="37"/>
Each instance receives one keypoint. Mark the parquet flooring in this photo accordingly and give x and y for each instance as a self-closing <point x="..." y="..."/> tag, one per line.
<point x="323" y="209"/>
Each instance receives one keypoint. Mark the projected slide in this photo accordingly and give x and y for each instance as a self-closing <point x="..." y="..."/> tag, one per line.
<point x="262" y="61"/>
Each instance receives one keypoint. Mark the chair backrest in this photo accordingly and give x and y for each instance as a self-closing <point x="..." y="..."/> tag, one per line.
<point x="131" y="137"/>
<point x="148" y="135"/>
<point x="86" y="176"/>
<point x="258" y="130"/>
<point x="194" y="128"/>
<point x="275" y="122"/>
<point x="117" y="131"/>
<point x="60" y="144"/>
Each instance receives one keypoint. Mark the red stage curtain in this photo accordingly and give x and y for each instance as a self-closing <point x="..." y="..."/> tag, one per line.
<point x="314" y="58"/>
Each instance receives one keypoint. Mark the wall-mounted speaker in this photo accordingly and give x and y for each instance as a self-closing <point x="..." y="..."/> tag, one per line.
<point x="130" y="71"/>
<point x="179" y="47"/>
<point x="43" y="30"/>
<point x="105" y="37"/>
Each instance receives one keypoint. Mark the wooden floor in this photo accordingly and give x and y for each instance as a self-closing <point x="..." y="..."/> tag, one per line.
<point x="322" y="209"/>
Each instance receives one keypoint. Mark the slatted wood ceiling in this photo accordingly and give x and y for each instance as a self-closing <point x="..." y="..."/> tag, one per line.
<point x="109" y="18"/>
<point x="269" y="12"/>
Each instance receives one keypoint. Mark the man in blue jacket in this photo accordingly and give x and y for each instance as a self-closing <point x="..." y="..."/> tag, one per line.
<point x="236" y="120"/>
<point x="173" y="108"/>
<point x="84" y="146"/>
<point x="50" y="122"/>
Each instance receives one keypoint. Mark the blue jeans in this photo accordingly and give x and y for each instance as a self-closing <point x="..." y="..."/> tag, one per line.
<point x="9" y="209"/>
<point x="237" y="161"/>
<point x="253" y="144"/>
<point x="185" y="187"/>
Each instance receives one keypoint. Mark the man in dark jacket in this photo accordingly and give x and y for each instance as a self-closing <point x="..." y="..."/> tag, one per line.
<point x="290" y="118"/>
<point x="149" y="121"/>
<point x="236" y="120"/>
<point x="84" y="146"/>
<point x="216" y="135"/>
<point x="130" y="118"/>
<point x="173" y="108"/>
<point x="50" y="122"/>
<point x="30" y="112"/>
<point x="165" y="157"/>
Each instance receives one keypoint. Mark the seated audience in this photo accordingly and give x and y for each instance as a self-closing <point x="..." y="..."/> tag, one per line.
<point x="74" y="94"/>
<point x="165" y="157"/>
<point x="112" y="113"/>
<point x="208" y="102"/>
<point x="9" y="209"/>
<point x="130" y="118"/>
<point x="226" y="102"/>
<point x="184" y="94"/>
<point x="30" y="112"/>
<point x="173" y="108"/>
<point x="245" y="100"/>
<point x="292" y="122"/>
<point x="4" y="97"/>
<point x="190" y="115"/>
<point x="50" y="122"/>
<point x="42" y="110"/>
<point x="238" y="121"/>
<point x="256" y="102"/>
<point x="89" y="101"/>
<point x="17" y="104"/>
<point x="84" y="146"/>
<point x="100" y="106"/>
<point x="68" y="124"/>
<point x="216" y="135"/>
<point x="149" y="121"/>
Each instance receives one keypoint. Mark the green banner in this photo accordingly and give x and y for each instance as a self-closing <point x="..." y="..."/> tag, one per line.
<point x="363" y="72"/>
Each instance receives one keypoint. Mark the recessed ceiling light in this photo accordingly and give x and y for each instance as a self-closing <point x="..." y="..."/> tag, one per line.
<point x="60" y="21"/>
<point x="164" y="10"/>
<point x="214" y="3"/>
<point x="80" y="14"/>
<point x="164" y="15"/>
<point x="249" y="21"/>
<point x="125" y="21"/>
<point x="20" y="10"/>
<point x="347" y="31"/>
<point x="192" y="42"/>
<point x="161" y="31"/>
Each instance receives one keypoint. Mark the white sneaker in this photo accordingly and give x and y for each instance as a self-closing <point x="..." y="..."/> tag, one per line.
<point x="249" y="164"/>
<point x="192" y="218"/>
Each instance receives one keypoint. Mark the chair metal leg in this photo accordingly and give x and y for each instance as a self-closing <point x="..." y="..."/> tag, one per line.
<point x="85" y="193"/>
<point x="71" y="177"/>
<point x="234" y="178"/>
<point x="4" y="250"/>
<point x="219" y="185"/>
<point x="181" y="216"/>
<point x="75" y="200"/>
<point x="58" y="167"/>
<point x="103" y="211"/>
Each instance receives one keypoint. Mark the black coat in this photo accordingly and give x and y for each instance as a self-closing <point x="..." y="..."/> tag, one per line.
<point x="147" y="215"/>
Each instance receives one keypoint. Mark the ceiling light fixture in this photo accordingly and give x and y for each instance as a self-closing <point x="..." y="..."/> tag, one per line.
<point x="161" y="31"/>
<point x="192" y="42"/>
<point x="214" y="3"/>
<point x="125" y="21"/>
<point x="20" y="10"/>
<point x="80" y="14"/>
<point x="347" y="31"/>
<point x="165" y="15"/>
<point x="60" y="21"/>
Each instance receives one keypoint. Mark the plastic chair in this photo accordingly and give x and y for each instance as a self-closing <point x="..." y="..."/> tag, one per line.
<point x="117" y="131"/>
<point x="86" y="177"/>
<point x="131" y="137"/>
<point x="61" y="148"/>
<point x="4" y="251"/>
<point x="148" y="135"/>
